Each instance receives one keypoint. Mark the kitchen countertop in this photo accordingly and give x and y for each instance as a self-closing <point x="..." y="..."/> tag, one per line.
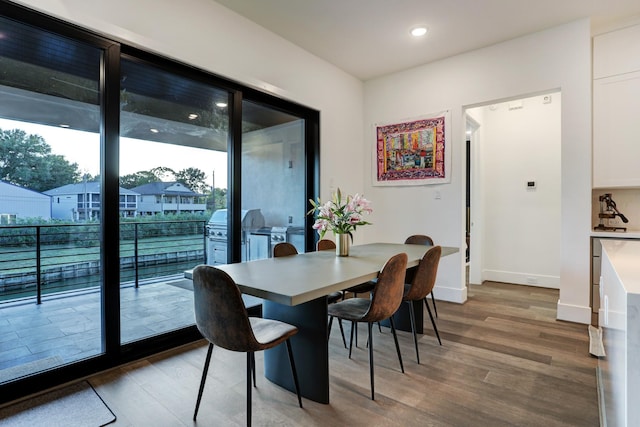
<point x="624" y="256"/>
<point x="629" y="234"/>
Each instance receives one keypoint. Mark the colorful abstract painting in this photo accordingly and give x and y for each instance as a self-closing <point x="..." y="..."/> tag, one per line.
<point x="412" y="152"/>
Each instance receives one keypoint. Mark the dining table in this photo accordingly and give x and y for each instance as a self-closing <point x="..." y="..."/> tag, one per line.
<point x="294" y="290"/>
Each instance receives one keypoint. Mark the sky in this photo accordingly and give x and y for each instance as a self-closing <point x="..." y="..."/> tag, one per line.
<point x="136" y="155"/>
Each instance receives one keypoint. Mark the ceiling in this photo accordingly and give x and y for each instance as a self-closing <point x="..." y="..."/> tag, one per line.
<point x="370" y="38"/>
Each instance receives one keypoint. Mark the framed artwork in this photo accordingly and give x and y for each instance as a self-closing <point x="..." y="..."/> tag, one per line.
<point x="413" y="152"/>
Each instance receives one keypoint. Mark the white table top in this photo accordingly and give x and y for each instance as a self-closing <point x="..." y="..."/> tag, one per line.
<point x="300" y="278"/>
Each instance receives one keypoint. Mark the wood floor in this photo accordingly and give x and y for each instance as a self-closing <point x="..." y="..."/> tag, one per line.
<point x="504" y="361"/>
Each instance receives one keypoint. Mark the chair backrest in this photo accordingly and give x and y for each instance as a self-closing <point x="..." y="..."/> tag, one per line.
<point x="387" y="295"/>
<point x="419" y="239"/>
<point x="284" y="249"/>
<point x="221" y="316"/>
<point x="425" y="276"/>
<point x="325" y="244"/>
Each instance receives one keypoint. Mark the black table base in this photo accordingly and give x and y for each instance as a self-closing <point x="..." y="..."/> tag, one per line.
<point x="309" y="345"/>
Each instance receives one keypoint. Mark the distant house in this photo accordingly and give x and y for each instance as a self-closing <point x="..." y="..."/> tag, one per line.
<point x="19" y="202"/>
<point x="168" y="197"/>
<point x="79" y="202"/>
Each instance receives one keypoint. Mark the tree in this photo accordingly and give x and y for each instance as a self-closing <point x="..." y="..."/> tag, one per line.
<point x="138" y="178"/>
<point x="193" y="178"/>
<point x="157" y="174"/>
<point x="26" y="160"/>
<point x="220" y="201"/>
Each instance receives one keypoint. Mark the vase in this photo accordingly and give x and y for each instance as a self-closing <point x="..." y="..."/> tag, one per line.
<point x="342" y="244"/>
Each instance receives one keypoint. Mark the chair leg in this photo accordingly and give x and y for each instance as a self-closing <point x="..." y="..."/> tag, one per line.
<point x="412" y="315"/>
<point x="356" y="325"/>
<point x="435" y="328"/>
<point x="395" y="338"/>
<point x="433" y="300"/>
<point x="353" y="325"/>
<point x="344" y="341"/>
<point x="369" y="326"/>
<point x="293" y="372"/>
<point x="253" y="367"/>
<point x="203" y="380"/>
<point x="249" y="388"/>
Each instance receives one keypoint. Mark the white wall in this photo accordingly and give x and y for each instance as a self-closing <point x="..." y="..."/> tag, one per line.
<point x="558" y="58"/>
<point x="207" y="35"/>
<point x="269" y="181"/>
<point x="23" y="203"/>
<point x="519" y="142"/>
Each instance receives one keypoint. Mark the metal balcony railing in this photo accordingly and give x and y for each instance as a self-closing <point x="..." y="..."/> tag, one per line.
<point x="45" y="259"/>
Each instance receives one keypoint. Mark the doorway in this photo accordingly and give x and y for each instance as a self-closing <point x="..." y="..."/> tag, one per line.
<point x="513" y="185"/>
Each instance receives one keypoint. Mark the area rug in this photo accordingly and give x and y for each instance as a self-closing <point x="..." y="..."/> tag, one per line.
<point x="76" y="405"/>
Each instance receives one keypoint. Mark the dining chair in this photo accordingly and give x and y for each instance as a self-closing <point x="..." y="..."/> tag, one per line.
<point x="422" y="283"/>
<point x="222" y="319"/>
<point x="421" y="239"/>
<point x="325" y="245"/>
<point x="284" y="249"/>
<point x="385" y="300"/>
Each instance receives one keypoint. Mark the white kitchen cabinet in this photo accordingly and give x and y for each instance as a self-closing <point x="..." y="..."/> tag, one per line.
<point x="616" y="108"/>
<point x="616" y="52"/>
<point x="616" y="113"/>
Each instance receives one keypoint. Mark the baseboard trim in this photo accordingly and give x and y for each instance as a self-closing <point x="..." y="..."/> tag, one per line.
<point x="529" y="279"/>
<point x="450" y="294"/>
<point x="573" y="313"/>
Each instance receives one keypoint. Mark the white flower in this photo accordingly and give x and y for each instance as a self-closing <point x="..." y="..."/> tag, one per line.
<point x="339" y="217"/>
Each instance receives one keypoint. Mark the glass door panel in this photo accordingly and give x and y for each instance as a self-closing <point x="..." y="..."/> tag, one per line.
<point x="50" y="223"/>
<point x="273" y="180"/>
<point x="173" y="177"/>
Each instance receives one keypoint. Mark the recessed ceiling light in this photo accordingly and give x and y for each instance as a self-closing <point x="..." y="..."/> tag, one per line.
<point x="221" y="104"/>
<point x="193" y="116"/>
<point x="418" y="31"/>
<point x="154" y="130"/>
<point x="64" y="125"/>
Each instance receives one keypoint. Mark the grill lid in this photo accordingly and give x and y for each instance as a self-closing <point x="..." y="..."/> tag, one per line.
<point x="251" y="219"/>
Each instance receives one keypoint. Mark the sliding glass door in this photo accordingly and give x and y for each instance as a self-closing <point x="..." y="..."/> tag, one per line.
<point x="50" y="201"/>
<point x="273" y="180"/>
<point x="173" y="146"/>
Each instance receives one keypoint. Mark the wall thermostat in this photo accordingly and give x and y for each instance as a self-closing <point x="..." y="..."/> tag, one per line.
<point x="531" y="185"/>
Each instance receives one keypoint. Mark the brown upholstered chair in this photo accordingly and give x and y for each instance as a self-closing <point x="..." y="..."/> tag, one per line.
<point x="422" y="283"/>
<point x="386" y="298"/>
<point x="222" y="319"/>
<point x="325" y="244"/>
<point x="421" y="239"/>
<point x="284" y="249"/>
